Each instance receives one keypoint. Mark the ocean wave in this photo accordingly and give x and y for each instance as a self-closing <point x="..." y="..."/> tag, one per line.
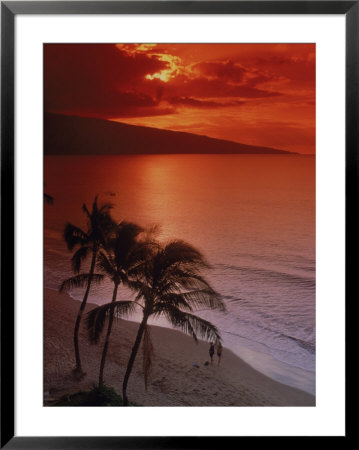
<point x="281" y="277"/>
<point x="309" y="346"/>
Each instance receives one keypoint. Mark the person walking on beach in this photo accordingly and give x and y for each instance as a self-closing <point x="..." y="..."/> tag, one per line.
<point x="219" y="352"/>
<point x="211" y="351"/>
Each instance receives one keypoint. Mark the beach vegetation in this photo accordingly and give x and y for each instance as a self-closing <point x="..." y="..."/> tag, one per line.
<point x="121" y="260"/>
<point x="98" y="396"/>
<point x="169" y="284"/>
<point x="86" y="243"/>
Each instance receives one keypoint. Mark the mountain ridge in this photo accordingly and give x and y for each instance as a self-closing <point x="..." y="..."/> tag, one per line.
<point x="75" y="135"/>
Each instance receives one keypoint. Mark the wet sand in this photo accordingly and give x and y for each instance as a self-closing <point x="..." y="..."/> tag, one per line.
<point x="174" y="381"/>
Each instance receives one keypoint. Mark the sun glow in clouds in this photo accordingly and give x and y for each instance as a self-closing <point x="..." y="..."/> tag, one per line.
<point x="173" y="62"/>
<point x="166" y="74"/>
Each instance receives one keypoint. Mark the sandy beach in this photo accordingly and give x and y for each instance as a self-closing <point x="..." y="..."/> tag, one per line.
<point x="174" y="381"/>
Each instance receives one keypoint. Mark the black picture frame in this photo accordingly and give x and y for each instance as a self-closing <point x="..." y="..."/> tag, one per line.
<point x="9" y="10"/>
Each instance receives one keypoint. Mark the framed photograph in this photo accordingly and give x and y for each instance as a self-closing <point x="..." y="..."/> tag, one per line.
<point x="178" y="188"/>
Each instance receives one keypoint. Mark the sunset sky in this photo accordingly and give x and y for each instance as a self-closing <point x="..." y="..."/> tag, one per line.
<point x="258" y="94"/>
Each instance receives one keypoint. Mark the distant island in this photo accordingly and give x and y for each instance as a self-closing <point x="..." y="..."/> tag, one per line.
<point x="73" y="135"/>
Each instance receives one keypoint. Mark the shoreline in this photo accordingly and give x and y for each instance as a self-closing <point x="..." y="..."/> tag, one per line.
<point x="174" y="381"/>
<point x="265" y="363"/>
<point x="280" y="371"/>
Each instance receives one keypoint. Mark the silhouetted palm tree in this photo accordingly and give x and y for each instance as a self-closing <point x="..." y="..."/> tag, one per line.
<point x="99" y="227"/>
<point x="171" y="285"/>
<point x="121" y="260"/>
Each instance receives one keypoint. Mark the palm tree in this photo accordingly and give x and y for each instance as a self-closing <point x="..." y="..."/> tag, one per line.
<point x="99" y="226"/>
<point x="121" y="260"/>
<point x="171" y="285"/>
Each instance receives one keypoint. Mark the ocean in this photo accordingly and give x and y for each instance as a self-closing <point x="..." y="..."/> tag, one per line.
<point x="253" y="217"/>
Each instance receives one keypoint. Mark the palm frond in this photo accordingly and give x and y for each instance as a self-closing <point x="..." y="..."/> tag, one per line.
<point x="127" y="252"/>
<point x="180" y="252"/>
<point x="191" y="324"/>
<point x="147" y="349"/>
<point x="96" y="318"/>
<point x="187" y="279"/>
<point x="141" y="256"/>
<point x="126" y="233"/>
<point x="106" y="264"/>
<point x="136" y="256"/>
<point x="98" y="211"/>
<point x="207" y="298"/>
<point x="151" y="232"/>
<point x="85" y="209"/>
<point x="174" y="299"/>
<point x="74" y="236"/>
<point x="78" y="257"/>
<point x="142" y="289"/>
<point x="178" y="283"/>
<point x="173" y="255"/>
<point x="105" y="208"/>
<point x="80" y="280"/>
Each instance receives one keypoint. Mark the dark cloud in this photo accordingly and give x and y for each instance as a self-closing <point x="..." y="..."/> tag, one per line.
<point x="201" y="87"/>
<point x="223" y="70"/>
<point x="95" y="77"/>
<point x="196" y="103"/>
<point x="293" y="68"/>
<point x="143" y="112"/>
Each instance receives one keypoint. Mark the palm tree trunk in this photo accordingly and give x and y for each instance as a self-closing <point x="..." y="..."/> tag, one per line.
<point x="105" y="347"/>
<point x="79" y="315"/>
<point x="131" y="361"/>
